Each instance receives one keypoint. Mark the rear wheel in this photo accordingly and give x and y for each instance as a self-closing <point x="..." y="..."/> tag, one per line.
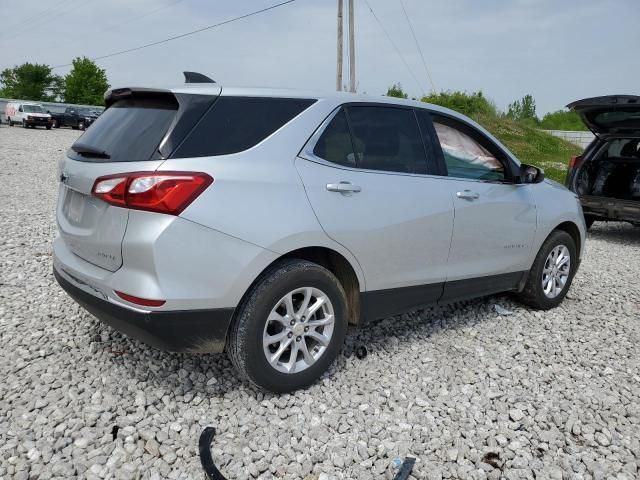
<point x="290" y="326"/>
<point x="81" y="125"/>
<point x="10" y="122"/>
<point x="552" y="272"/>
<point x="48" y="127"/>
<point x="24" y="124"/>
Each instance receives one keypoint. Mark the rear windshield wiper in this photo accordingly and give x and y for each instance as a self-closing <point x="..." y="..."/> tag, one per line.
<point x="89" y="151"/>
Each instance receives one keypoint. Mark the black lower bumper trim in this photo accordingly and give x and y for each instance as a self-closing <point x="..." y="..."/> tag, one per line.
<point x="196" y="331"/>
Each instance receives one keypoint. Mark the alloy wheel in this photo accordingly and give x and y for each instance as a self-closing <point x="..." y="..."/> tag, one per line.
<point x="298" y="330"/>
<point x="555" y="273"/>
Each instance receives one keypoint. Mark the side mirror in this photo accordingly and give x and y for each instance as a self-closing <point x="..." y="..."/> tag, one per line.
<point x="531" y="174"/>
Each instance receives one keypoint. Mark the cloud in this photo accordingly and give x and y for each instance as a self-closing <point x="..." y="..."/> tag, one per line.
<point x="557" y="51"/>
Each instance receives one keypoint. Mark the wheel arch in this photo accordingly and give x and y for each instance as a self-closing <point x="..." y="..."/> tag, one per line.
<point x="333" y="261"/>
<point x="574" y="232"/>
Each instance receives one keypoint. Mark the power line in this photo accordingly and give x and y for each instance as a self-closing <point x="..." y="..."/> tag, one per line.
<point x="42" y="12"/>
<point x="395" y="47"/>
<point x="413" y="33"/>
<point x="182" y="35"/>
<point x="138" y="17"/>
<point x="33" y="18"/>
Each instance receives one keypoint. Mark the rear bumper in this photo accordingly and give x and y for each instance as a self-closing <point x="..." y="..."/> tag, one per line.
<point x="195" y="331"/>
<point x="611" y="208"/>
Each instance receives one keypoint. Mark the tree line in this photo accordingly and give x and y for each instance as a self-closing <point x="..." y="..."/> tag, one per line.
<point x="84" y="84"/>
<point x="521" y="111"/>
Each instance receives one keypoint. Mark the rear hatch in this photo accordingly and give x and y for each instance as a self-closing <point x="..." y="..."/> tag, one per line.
<point x="610" y="115"/>
<point x="138" y="130"/>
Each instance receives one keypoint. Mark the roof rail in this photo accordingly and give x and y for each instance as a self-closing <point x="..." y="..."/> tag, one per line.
<point x="195" y="77"/>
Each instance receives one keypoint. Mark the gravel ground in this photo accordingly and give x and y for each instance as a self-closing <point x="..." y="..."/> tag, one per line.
<point x="470" y="393"/>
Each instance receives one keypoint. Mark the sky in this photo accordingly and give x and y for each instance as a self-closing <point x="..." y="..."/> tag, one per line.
<point x="557" y="51"/>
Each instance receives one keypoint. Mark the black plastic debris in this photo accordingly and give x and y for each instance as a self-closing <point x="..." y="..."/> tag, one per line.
<point x="405" y="469"/>
<point x="361" y="352"/>
<point x="114" y="432"/>
<point x="493" y="459"/>
<point x="204" y="445"/>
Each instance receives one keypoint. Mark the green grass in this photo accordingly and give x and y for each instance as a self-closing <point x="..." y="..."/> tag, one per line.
<point x="531" y="145"/>
<point x="524" y="138"/>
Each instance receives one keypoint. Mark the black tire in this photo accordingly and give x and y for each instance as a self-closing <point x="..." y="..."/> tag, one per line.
<point x="24" y="124"/>
<point x="54" y="123"/>
<point x="244" y="343"/>
<point x="48" y="127"/>
<point x="533" y="293"/>
<point x="588" y="220"/>
<point x="10" y="122"/>
<point x="81" y="126"/>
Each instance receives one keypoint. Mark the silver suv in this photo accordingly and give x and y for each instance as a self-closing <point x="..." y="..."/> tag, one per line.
<point x="263" y="222"/>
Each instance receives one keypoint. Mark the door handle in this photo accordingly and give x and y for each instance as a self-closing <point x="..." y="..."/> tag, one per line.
<point x="468" y="195"/>
<point x="343" y="187"/>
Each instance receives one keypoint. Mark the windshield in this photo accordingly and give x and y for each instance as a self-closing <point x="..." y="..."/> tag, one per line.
<point x="33" y="108"/>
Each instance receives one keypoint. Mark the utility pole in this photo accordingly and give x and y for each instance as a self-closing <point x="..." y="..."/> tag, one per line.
<point x="340" y="48"/>
<point x="352" y="51"/>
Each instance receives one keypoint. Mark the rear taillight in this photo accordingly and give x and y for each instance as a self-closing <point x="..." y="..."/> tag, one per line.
<point x="162" y="192"/>
<point x="574" y="160"/>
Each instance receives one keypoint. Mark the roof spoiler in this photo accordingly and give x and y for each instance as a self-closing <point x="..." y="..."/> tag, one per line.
<point x="116" y="94"/>
<point x="195" y="77"/>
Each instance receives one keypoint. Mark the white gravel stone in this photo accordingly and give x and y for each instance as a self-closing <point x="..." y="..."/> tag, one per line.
<point x="473" y="394"/>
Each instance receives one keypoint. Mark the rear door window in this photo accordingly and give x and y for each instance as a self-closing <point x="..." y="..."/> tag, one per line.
<point x="235" y="124"/>
<point x="129" y="130"/>
<point x="335" y="145"/>
<point x="387" y="139"/>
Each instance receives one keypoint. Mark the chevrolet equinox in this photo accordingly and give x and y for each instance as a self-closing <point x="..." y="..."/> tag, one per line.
<point x="263" y="222"/>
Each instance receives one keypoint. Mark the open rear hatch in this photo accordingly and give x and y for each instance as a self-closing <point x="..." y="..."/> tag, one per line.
<point x="139" y="129"/>
<point x="610" y="114"/>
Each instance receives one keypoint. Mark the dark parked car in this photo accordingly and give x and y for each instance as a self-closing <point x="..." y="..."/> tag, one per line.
<point x="76" y="118"/>
<point x="606" y="176"/>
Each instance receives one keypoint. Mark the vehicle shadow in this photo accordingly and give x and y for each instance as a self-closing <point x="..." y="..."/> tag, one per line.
<point x="214" y="375"/>
<point x="620" y="233"/>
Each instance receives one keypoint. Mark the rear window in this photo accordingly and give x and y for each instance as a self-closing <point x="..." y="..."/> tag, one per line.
<point x="235" y="124"/>
<point x="129" y="130"/>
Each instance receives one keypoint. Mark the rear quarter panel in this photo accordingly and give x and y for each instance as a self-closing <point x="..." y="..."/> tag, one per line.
<point x="257" y="195"/>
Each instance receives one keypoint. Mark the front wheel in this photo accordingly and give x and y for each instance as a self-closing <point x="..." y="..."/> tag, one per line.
<point x="81" y="126"/>
<point x="24" y="124"/>
<point x="290" y="327"/>
<point x="10" y="122"/>
<point x="552" y="272"/>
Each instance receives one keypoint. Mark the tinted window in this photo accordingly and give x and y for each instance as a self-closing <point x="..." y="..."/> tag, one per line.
<point x="235" y="124"/>
<point x="387" y="139"/>
<point x="465" y="156"/>
<point x="335" y="143"/>
<point x="129" y="130"/>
